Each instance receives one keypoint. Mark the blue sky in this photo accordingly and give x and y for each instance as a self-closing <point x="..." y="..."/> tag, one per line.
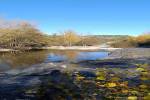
<point x="84" y="16"/>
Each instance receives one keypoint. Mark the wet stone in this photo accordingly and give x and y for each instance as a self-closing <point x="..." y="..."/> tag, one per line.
<point x="87" y="74"/>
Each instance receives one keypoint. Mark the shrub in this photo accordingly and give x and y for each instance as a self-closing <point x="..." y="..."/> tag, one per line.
<point x="25" y="35"/>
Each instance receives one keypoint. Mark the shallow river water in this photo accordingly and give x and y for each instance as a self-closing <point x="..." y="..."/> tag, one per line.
<point x="89" y="78"/>
<point x="25" y="59"/>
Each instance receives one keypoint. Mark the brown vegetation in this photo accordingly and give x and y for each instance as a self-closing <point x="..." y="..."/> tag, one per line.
<point x="23" y="35"/>
<point x="139" y="41"/>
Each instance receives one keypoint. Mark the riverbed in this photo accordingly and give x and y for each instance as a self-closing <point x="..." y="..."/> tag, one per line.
<point x="72" y="74"/>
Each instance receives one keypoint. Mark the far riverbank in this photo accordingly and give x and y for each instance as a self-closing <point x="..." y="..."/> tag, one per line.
<point x="114" y="52"/>
<point x="84" y="48"/>
<point x="81" y="48"/>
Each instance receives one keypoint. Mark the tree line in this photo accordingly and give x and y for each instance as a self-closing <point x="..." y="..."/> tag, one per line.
<point x="24" y="35"/>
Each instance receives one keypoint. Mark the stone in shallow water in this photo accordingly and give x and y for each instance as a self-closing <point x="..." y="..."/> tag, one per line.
<point x="87" y="74"/>
<point x="55" y="73"/>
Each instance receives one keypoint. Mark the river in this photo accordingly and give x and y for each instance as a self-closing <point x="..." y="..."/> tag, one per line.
<point x="79" y="75"/>
<point x="16" y="60"/>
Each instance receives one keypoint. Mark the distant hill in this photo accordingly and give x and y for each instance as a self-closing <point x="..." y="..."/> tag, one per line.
<point x="114" y="36"/>
<point x="107" y="38"/>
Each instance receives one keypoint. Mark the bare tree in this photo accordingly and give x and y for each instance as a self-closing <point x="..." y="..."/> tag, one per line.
<point x="22" y="35"/>
<point x="70" y="37"/>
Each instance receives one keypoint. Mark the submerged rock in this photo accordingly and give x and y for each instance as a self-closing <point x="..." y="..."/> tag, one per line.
<point x="87" y="74"/>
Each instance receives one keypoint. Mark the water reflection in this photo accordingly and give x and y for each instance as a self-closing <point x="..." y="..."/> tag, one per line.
<point x="75" y="56"/>
<point x="67" y="56"/>
<point x="25" y="59"/>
